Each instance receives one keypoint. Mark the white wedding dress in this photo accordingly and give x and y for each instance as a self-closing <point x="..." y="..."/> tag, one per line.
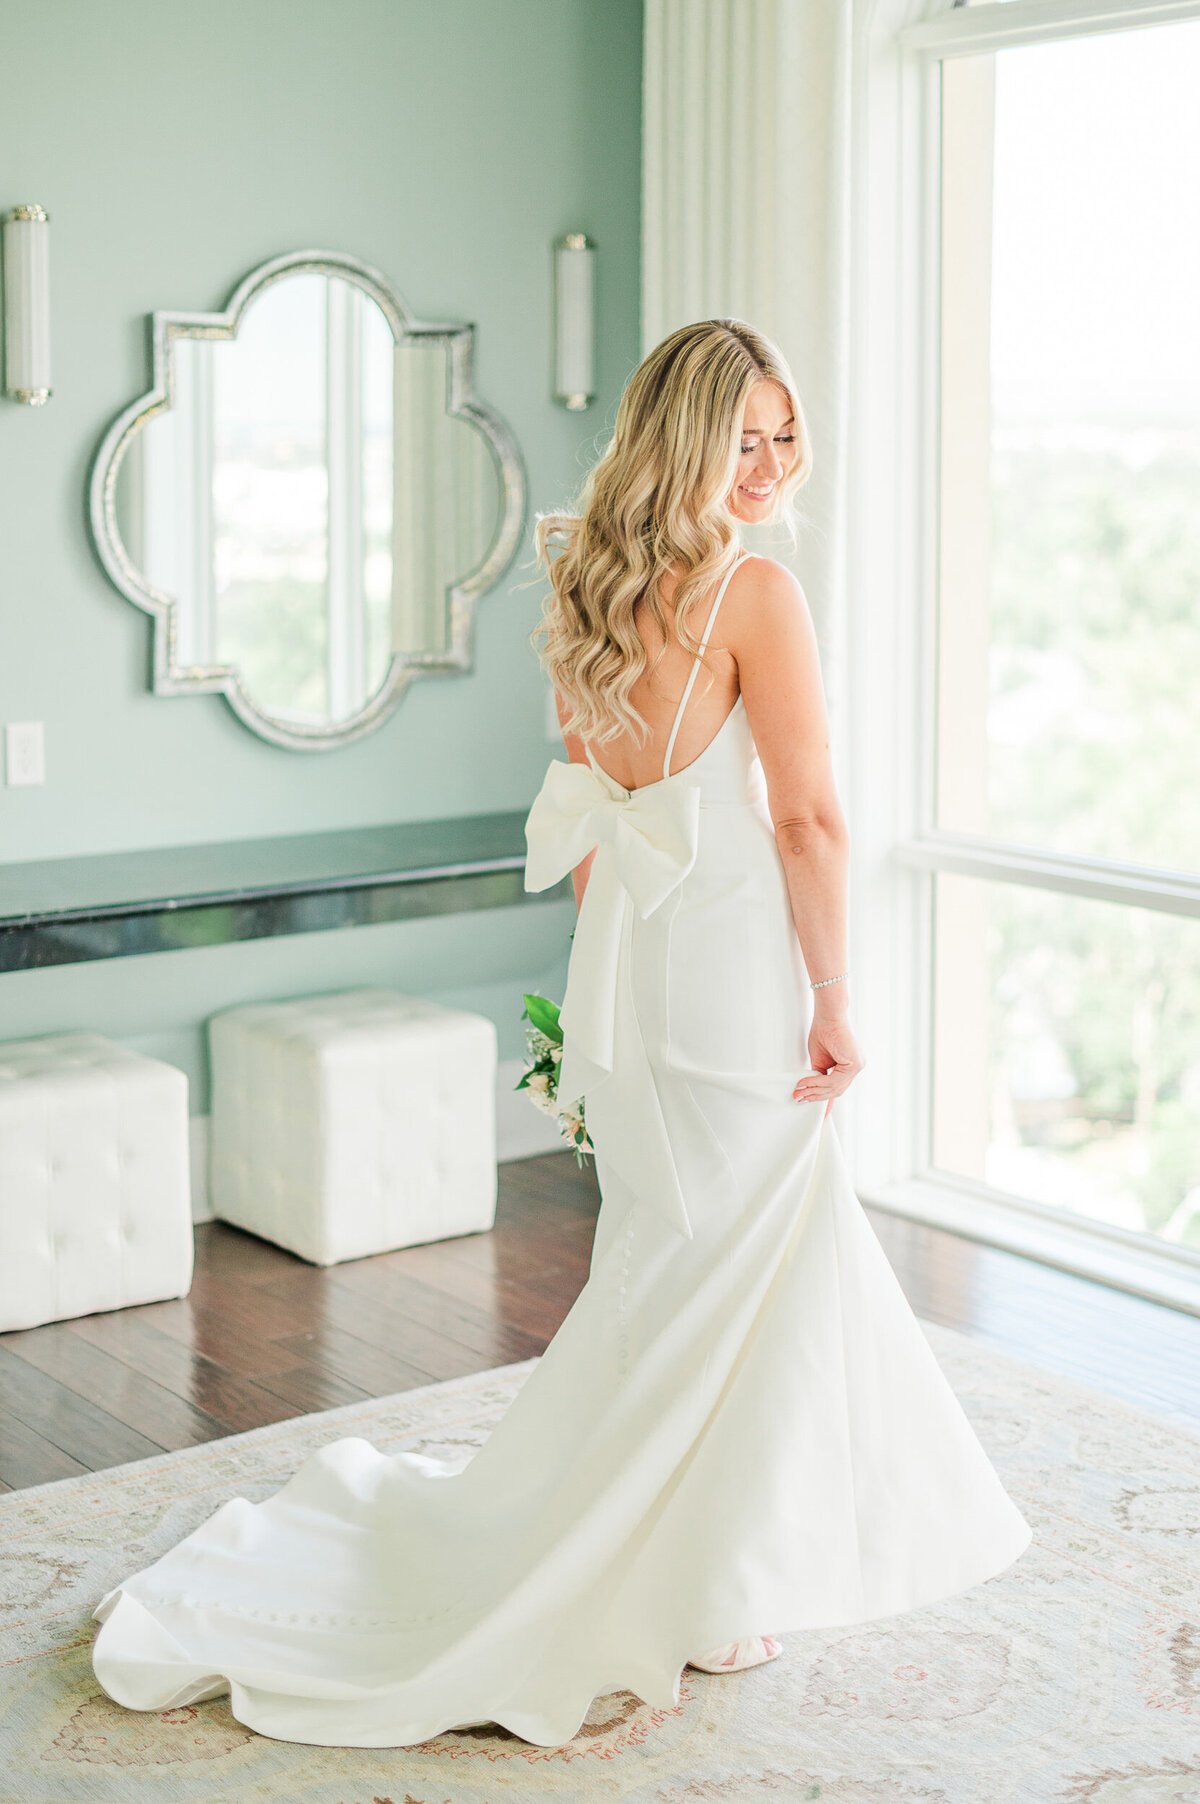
<point x="740" y="1428"/>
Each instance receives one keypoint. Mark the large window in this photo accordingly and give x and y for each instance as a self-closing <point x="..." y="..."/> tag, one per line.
<point x="1055" y="842"/>
<point x="1068" y="635"/>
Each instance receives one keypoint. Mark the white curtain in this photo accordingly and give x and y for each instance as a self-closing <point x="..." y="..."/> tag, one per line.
<point x="745" y="213"/>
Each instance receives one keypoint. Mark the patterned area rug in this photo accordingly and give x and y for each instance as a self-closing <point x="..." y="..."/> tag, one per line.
<point x="1074" y="1678"/>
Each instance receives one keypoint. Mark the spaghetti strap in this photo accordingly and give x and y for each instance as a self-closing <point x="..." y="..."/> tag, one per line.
<point x="696" y="656"/>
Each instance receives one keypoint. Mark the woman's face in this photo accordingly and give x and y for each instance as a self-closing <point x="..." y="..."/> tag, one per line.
<point x="768" y="451"/>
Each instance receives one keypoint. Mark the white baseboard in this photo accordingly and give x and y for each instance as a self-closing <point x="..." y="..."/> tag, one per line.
<point x="521" y="1133"/>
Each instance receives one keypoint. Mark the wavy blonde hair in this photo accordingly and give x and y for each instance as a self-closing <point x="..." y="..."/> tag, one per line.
<point x="658" y="496"/>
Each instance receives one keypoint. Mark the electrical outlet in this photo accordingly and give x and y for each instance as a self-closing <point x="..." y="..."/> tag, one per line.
<point x="24" y="753"/>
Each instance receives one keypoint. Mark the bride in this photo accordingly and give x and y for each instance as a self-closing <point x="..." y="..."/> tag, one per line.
<point x="740" y="1430"/>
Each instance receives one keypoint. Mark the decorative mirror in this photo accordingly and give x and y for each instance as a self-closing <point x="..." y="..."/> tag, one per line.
<point x="308" y="501"/>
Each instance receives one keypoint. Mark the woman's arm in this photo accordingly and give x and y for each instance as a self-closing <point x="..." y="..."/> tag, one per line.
<point x="770" y="634"/>
<point x="769" y="631"/>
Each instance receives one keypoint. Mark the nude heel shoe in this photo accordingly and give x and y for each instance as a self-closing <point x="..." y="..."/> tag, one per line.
<point x="736" y="1656"/>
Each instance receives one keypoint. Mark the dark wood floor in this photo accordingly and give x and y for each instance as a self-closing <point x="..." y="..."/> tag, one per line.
<point x="263" y="1336"/>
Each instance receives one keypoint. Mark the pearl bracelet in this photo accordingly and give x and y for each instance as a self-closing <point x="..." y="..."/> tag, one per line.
<point x="842" y="975"/>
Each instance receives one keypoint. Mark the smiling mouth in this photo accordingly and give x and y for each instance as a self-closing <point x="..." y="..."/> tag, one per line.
<point x="757" y="494"/>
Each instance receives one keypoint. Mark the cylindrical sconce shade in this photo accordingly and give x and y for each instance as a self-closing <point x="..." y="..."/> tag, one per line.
<point x="27" y="305"/>
<point x="574" y="294"/>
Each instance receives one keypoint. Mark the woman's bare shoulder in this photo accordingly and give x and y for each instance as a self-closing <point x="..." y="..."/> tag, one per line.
<point x="764" y="602"/>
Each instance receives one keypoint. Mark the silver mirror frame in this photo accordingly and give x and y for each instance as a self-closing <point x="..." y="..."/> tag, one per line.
<point x="168" y="677"/>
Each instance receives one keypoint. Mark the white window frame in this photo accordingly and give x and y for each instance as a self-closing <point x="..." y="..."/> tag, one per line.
<point x="887" y="740"/>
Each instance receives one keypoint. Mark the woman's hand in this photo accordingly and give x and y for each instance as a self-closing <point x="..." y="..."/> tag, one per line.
<point x="835" y="1059"/>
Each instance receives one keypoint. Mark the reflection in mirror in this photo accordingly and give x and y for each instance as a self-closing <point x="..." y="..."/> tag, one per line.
<point x="307" y="508"/>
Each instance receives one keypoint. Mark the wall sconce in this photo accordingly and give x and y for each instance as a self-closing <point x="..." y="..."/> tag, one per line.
<point x="574" y="299"/>
<point x="27" y="305"/>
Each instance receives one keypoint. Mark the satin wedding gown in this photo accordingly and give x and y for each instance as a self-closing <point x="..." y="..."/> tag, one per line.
<point x="739" y="1429"/>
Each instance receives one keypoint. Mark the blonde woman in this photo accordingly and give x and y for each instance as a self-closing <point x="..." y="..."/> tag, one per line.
<point x="825" y="1472"/>
<point x="740" y="1429"/>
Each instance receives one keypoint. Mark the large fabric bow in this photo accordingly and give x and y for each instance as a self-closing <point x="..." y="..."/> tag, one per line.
<point x="645" y="842"/>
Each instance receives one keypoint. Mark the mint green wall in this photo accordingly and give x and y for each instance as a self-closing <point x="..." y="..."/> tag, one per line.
<point x="175" y="146"/>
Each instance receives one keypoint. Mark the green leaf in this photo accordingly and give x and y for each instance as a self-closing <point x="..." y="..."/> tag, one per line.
<point x="544" y="1015"/>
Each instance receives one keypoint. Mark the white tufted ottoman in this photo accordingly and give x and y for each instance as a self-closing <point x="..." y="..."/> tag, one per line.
<point x="95" y="1198"/>
<point x="354" y="1123"/>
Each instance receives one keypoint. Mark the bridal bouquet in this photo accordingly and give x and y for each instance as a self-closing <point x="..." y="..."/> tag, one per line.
<point x="544" y="1045"/>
